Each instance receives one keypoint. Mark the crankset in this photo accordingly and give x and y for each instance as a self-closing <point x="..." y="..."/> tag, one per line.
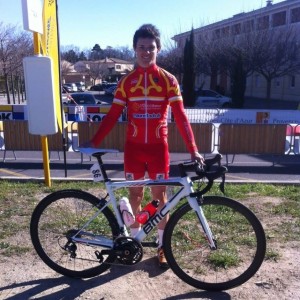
<point x="128" y="250"/>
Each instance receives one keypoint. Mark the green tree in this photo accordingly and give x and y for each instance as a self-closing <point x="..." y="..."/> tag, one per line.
<point x="97" y="52"/>
<point x="188" y="80"/>
<point x="70" y="56"/>
<point x="82" y="56"/>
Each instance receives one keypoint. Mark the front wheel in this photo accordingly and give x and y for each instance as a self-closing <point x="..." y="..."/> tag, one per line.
<point x="240" y="239"/>
<point x="64" y="214"/>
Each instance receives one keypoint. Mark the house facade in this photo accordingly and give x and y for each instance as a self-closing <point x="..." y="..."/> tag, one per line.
<point x="93" y="72"/>
<point x="285" y="14"/>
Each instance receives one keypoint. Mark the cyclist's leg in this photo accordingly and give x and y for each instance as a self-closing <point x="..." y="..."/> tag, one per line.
<point x="159" y="192"/>
<point x="158" y="166"/>
<point x="134" y="168"/>
<point x="135" y="195"/>
<point x="153" y="158"/>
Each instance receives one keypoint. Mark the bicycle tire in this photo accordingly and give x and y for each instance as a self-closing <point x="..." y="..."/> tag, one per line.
<point x="240" y="238"/>
<point x="63" y="212"/>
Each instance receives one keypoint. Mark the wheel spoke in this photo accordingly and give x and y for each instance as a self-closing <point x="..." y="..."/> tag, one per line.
<point x="62" y="216"/>
<point x="240" y="245"/>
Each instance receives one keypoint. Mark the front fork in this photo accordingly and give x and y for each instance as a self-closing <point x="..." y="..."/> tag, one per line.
<point x="193" y="202"/>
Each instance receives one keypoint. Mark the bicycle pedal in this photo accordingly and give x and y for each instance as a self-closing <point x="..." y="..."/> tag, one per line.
<point x="150" y="244"/>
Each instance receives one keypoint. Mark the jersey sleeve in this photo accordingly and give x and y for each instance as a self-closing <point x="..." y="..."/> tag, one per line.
<point x="184" y="125"/>
<point x="107" y="123"/>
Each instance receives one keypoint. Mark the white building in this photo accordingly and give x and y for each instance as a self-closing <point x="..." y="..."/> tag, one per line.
<point x="285" y="14"/>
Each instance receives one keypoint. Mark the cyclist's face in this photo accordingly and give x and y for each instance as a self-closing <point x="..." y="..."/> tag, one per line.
<point x="146" y="52"/>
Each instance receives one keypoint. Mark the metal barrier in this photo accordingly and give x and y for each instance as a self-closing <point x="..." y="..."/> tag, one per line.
<point x="252" y="139"/>
<point x="204" y="137"/>
<point x="271" y="139"/>
<point x="293" y="139"/>
<point x="18" y="138"/>
<point x="204" y="134"/>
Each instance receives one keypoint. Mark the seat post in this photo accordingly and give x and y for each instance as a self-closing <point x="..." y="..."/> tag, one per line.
<point x="101" y="165"/>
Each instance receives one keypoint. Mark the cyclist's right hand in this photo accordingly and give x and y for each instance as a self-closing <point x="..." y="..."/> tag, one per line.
<point x="196" y="156"/>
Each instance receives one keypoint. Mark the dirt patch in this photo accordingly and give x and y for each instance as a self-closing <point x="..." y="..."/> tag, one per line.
<point x="27" y="277"/>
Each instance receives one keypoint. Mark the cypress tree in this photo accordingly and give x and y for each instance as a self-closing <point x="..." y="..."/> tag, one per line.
<point x="188" y="80"/>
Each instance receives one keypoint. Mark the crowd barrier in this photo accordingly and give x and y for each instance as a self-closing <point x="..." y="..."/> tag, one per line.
<point x="204" y="134"/>
<point x="255" y="139"/>
<point x="227" y="139"/>
<point x="293" y="139"/>
<point x="116" y="138"/>
<point x="17" y="138"/>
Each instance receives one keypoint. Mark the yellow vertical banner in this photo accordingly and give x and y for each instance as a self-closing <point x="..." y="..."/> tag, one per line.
<point x="49" y="47"/>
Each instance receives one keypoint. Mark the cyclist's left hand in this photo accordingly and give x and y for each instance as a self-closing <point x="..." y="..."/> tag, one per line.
<point x="198" y="157"/>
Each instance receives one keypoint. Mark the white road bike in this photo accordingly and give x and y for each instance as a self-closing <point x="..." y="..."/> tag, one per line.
<point x="210" y="242"/>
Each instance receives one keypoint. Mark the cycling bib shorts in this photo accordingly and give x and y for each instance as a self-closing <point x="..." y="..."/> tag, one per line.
<point x="140" y="158"/>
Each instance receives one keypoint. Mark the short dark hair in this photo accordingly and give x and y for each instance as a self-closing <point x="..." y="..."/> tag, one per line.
<point x="147" y="31"/>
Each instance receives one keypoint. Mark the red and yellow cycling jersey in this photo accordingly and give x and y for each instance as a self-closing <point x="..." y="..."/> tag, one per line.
<point x="147" y="93"/>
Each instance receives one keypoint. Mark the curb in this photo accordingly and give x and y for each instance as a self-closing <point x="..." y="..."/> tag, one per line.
<point x="250" y="181"/>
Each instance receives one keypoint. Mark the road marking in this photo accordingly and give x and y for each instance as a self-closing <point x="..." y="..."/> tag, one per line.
<point x="241" y="178"/>
<point x="13" y="173"/>
<point x="81" y="175"/>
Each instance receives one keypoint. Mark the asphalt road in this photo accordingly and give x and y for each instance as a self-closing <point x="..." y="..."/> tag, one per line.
<point x="245" y="168"/>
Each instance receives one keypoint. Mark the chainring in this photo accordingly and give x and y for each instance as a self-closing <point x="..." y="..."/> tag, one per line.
<point x="128" y="250"/>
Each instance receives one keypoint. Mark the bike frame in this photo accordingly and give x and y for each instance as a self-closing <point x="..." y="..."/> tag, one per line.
<point x="186" y="188"/>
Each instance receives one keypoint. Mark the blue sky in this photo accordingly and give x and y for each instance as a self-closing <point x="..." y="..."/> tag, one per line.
<point x="83" y="23"/>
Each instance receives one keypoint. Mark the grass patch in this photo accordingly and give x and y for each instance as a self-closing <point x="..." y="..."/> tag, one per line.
<point x="281" y="219"/>
<point x="15" y="250"/>
<point x="271" y="254"/>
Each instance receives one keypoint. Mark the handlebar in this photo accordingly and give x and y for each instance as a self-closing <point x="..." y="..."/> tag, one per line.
<point x="204" y="171"/>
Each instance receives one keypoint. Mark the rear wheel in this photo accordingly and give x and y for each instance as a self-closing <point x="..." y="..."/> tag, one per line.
<point x="61" y="215"/>
<point x="240" y="240"/>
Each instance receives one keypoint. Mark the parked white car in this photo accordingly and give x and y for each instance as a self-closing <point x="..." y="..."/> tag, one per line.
<point x="209" y="98"/>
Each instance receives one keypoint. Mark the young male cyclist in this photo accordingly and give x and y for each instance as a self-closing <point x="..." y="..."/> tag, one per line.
<point x="147" y="92"/>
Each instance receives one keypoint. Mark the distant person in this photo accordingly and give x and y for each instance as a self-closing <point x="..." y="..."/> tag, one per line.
<point x="266" y="118"/>
<point x="147" y="92"/>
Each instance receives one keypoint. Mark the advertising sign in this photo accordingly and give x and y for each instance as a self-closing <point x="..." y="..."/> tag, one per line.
<point x="243" y="116"/>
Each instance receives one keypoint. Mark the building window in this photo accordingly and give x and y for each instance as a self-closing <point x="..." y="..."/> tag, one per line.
<point x="292" y="81"/>
<point x="118" y="67"/>
<point x="295" y="15"/>
<point x="279" y="19"/>
<point x="263" y="23"/>
<point x="248" y="26"/>
<point x="217" y="33"/>
<point x="236" y="29"/>
<point x="225" y="31"/>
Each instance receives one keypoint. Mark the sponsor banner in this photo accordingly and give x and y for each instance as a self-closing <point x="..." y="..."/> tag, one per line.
<point x="221" y="116"/>
<point x="87" y="113"/>
<point x="49" y="45"/>
<point x="243" y="116"/>
<point x="13" y="112"/>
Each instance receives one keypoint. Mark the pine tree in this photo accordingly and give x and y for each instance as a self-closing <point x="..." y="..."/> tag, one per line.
<point x="188" y="80"/>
